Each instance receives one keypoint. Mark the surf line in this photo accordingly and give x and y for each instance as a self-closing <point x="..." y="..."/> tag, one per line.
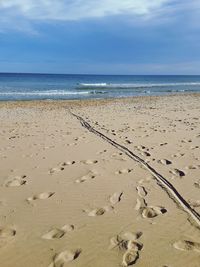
<point x="163" y="182"/>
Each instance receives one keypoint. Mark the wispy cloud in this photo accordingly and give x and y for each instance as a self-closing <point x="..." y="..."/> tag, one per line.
<point x="20" y="14"/>
<point x="78" y="9"/>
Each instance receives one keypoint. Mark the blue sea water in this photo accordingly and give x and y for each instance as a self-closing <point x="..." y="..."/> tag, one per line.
<point x="61" y="86"/>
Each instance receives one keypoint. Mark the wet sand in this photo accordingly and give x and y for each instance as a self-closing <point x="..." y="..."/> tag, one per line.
<point x="71" y="198"/>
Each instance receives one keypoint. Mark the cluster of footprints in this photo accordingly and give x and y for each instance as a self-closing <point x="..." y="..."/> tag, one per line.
<point x="142" y="206"/>
<point x="61" y="166"/>
<point x="153" y="211"/>
<point x="64" y="257"/>
<point x="128" y="242"/>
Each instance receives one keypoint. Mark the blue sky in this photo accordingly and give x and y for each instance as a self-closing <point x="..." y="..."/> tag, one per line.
<point x="100" y="37"/>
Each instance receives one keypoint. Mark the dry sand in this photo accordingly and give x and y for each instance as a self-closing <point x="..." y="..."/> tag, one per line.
<point x="69" y="198"/>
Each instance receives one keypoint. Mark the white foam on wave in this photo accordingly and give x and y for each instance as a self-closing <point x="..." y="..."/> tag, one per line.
<point x="93" y="84"/>
<point x="136" y="85"/>
<point x="44" y="93"/>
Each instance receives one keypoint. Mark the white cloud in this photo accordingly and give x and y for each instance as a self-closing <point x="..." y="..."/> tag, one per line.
<point x="20" y="15"/>
<point x="78" y="9"/>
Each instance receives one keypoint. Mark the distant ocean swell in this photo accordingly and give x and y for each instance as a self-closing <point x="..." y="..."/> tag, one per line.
<point x="134" y="85"/>
<point x="52" y="86"/>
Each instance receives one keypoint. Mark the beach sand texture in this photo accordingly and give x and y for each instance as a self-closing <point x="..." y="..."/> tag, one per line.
<point x="70" y="198"/>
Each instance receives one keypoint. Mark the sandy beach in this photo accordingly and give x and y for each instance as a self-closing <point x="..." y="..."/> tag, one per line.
<point x="71" y="197"/>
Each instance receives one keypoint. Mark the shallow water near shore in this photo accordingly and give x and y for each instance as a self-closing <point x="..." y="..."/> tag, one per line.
<point x="61" y="86"/>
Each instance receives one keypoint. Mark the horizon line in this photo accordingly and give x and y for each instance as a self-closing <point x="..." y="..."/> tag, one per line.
<point x="97" y="74"/>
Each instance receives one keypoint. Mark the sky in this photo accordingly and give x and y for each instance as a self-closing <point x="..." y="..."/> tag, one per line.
<point x="100" y="36"/>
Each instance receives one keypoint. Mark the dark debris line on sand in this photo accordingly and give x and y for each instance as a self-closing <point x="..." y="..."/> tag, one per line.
<point x="163" y="182"/>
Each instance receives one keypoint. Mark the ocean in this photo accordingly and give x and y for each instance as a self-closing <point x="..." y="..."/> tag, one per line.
<point x="63" y="86"/>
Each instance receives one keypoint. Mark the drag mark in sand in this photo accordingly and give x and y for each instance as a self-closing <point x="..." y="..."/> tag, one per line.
<point x="164" y="183"/>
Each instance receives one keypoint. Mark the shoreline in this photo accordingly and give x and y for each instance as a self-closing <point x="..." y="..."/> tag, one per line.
<point x="90" y="102"/>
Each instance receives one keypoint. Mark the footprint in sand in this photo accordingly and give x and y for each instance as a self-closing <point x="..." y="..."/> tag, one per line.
<point x="130" y="257"/>
<point x="178" y="155"/>
<point x="57" y="233"/>
<point x="197" y="184"/>
<point x="116" y="197"/>
<point x="140" y="204"/>
<point x="89" y="161"/>
<point x="187" y="245"/>
<point x="140" y="147"/>
<point x="194" y="203"/>
<point x="79" y="138"/>
<point x="147" y="154"/>
<point x="16" y="181"/>
<point x="192" y="167"/>
<point x="152" y="211"/>
<point x="118" y="156"/>
<point x="164" y="161"/>
<point x="186" y="141"/>
<point x="56" y="169"/>
<point x="6" y="232"/>
<point x="148" y="211"/>
<point x="177" y="173"/>
<point x="98" y="211"/>
<point x="101" y="152"/>
<point x="59" y="260"/>
<point x="146" y="180"/>
<point x="126" y="241"/>
<point x="194" y="147"/>
<point x="61" y="166"/>
<point x="129" y="242"/>
<point x="6" y="235"/>
<point x="163" y="144"/>
<point x="131" y="236"/>
<point x="141" y="191"/>
<point x="123" y="171"/>
<point x="67" y="163"/>
<point x="71" y="144"/>
<point x="41" y="196"/>
<point x="89" y="176"/>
